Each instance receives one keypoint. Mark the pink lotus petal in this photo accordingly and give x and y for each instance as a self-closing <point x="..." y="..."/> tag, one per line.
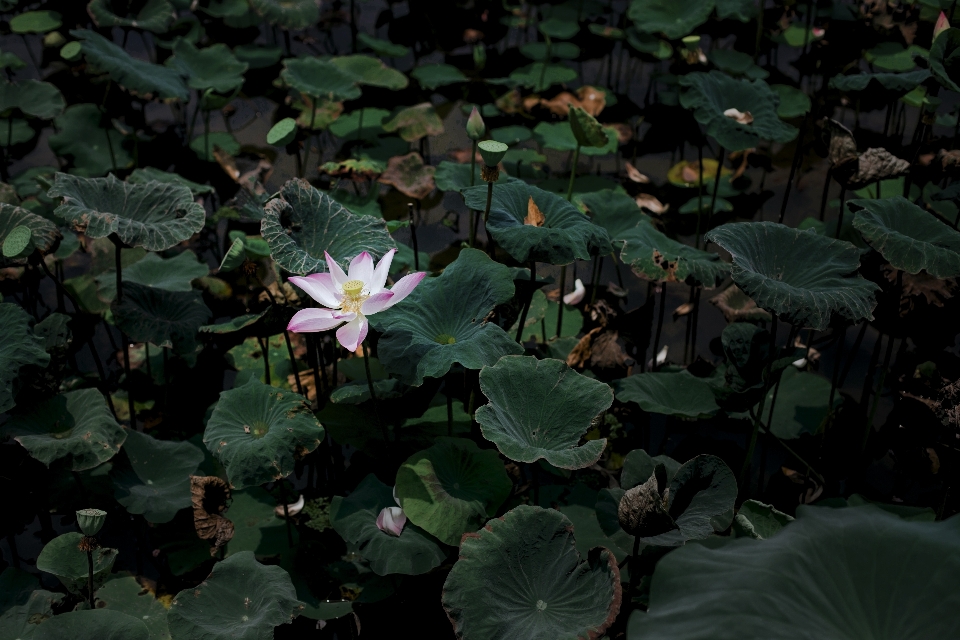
<point x="317" y="289"/>
<point x="376" y="302"/>
<point x="339" y="277"/>
<point x="380" y="274"/>
<point x="353" y="333"/>
<point x="312" y="320"/>
<point x="405" y="287"/>
<point x="391" y="521"/>
<point x="942" y="25"/>
<point x="361" y="268"/>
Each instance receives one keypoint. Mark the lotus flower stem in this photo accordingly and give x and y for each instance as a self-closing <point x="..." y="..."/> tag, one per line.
<point x="91" y="601"/>
<point x="776" y="391"/>
<point x="473" y="164"/>
<point x="123" y="337"/>
<point x="3" y="156"/>
<point x="756" y="51"/>
<point x="528" y="302"/>
<point x="595" y="277"/>
<point x="491" y="248"/>
<point x="656" y="342"/>
<point x="745" y="470"/>
<point x="293" y="362"/>
<point x="373" y="393"/>
<point x="810" y="469"/>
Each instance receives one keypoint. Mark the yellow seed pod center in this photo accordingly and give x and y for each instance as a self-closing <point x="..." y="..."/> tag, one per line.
<point x="352" y="287"/>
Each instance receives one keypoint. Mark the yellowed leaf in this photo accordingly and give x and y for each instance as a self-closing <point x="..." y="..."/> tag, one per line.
<point x="535" y="217"/>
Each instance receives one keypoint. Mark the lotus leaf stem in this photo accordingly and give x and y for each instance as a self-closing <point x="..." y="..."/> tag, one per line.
<point x="528" y="302"/>
<point x="491" y="248"/>
<point x="745" y="469"/>
<point x="293" y="361"/>
<point x="91" y="601"/>
<point x="563" y="286"/>
<point x="656" y="342"/>
<point x="573" y="172"/>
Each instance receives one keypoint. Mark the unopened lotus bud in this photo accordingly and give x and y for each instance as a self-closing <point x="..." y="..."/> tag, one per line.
<point x="942" y="25"/>
<point x="492" y="152"/>
<point x="91" y="521"/>
<point x="643" y="510"/>
<point x="391" y="520"/>
<point x="475" y="125"/>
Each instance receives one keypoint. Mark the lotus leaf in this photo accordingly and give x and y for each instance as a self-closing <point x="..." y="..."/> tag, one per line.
<point x="257" y="431"/>
<point x="321" y="224"/>
<point x="431" y="76"/>
<point x="653" y="256"/>
<point x="900" y="83"/>
<point x="24" y="615"/>
<point x="759" y="521"/>
<point x="413" y="552"/>
<point x="616" y="212"/>
<point x="742" y="10"/>
<point x="75" y="427"/>
<point x="241" y="599"/>
<point x="164" y="318"/>
<point x="154" y="215"/>
<point x="892" y="56"/>
<point x="410" y="175"/>
<point x="383" y="48"/>
<point x="531" y="554"/>
<point x="541" y="409"/>
<point x="945" y="59"/>
<point x="737" y="63"/>
<point x="157" y="484"/>
<point x="137" y="76"/>
<point x="711" y="94"/>
<point x="257" y="56"/>
<point x="15" y="131"/>
<point x="127" y="596"/>
<point x="32" y="97"/>
<point x="206" y="145"/>
<point x="371" y="71"/>
<point x="559" y="136"/>
<point x="415" y="122"/>
<point x="540" y="76"/>
<point x="11" y="61"/>
<point x="674" y="394"/>
<point x="94" y="150"/>
<point x="565" y="236"/>
<point x="801" y="276"/>
<point x="153" y="15"/>
<point x="170" y="274"/>
<point x="672" y="19"/>
<point x="288" y="14"/>
<point x="451" y="488"/>
<point x="96" y="624"/>
<point x="257" y="527"/>
<point x="802" y="406"/>
<point x="320" y="79"/>
<point x="43" y="233"/>
<point x="35" y="22"/>
<point x="62" y="558"/>
<point x="213" y="67"/>
<point x="540" y="52"/>
<point x="908" y="237"/>
<point x="442" y="322"/>
<point x="582" y="506"/>
<point x="836" y="568"/>
<point x="638" y="466"/>
<point x="793" y="102"/>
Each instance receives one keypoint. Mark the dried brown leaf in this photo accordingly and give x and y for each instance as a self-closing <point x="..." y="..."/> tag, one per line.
<point x="535" y="217"/>
<point x="209" y="496"/>
<point x="410" y="175"/>
<point x="634" y="175"/>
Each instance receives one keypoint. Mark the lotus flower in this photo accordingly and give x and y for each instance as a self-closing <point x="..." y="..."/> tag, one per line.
<point x="350" y="297"/>
<point x="942" y="25"/>
<point x="391" y="520"/>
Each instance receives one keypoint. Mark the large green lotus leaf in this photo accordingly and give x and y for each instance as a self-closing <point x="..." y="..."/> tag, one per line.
<point x="616" y="212"/>
<point x="413" y="552"/>
<point x="638" y="466"/>
<point x="742" y="10"/>
<point x="908" y="237"/>
<point x="521" y="577"/>
<point x="257" y="527"/>
<point x="320" y="79"/>
<point x="758" y="520"/>
<point x="213" y="67"/>
<point x="559" y="137"/>
<point x="412" y="123"/>
<point x="803" y="277"/>
<point x="672" y="19"/>
<point x="803" y="403"/>
<point x="794" y="102"/>
<point x="16" y="131"/>
<point x="582" y="505"/>
<point x="95" y="624"/>
<point x="247" y="357"/>
<point x="75" y="427"/>
<point x="566" y="234"/>
<point x="22" y="620"/>
<point x="170" y="274"/>
<point x="362" y="124"/>
<point x="452" y="176"/>
<point x="371" y="71"/>
<point x="88" y="145"/>
<point x="152" y="174"/>
<point x="241" y="599"/>
<point x="153" y="15"/>
<point x="165" y="318"/>
<point x="62" y="558"/>
<point x="558" y="50"/>
<point x="43" y="233"/>
<point x="674" y="394"/>
<point x="289" y="14"/>
<point x="442" y="322"/>
<point x="383" y="48"/>
<point x="155" y="216"/>
<point x="945" y="59"/>
<point x="32" y="97"/>
<point x="843" y="574"/>
<point x="137" y="76"/>
<point x="35" y="22"/>
<point x="711" y="94"/>
<point x="158" y="483"/>
<point x="124" y="594"/>
<point x="656" y="257"/>
<point x="257" y="432"/>
<point x="540" y="76"/>
<point x="900" y="83"/>
<point x="452" y="488"/>
<point x="541" y="409"/>
<point x="322" y="224"/>
<point x="431" y="76"/>
<point x="16" y="585"/>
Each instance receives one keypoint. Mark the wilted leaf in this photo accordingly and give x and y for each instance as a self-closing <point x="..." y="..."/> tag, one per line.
<point x="410" y="175"/>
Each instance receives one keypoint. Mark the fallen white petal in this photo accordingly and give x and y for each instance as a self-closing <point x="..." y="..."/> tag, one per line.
<point x="575" y="296"/>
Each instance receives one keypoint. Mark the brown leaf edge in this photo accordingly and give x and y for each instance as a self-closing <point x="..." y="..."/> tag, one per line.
<point x="211" y="526"/>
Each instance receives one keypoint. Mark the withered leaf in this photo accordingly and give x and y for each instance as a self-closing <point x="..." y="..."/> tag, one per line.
<point x="651" y="204"/>
<point x="209" y="496"/>
<point x="634" y="175"/>
<point x="742" y="117"/>
<point x="579" y="356"/>
<point x="535" y="217"/>
<point x="643" y="509"/>
<point x="736" y="306"/>
<point x="410" y="175"/>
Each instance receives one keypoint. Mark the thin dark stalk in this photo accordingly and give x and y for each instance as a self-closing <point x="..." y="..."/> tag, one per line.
<point x="656" y="342"/>
<point x="696" y="318"/>
<point x="700" y="188"/>
<point x="826" y="193"/>
<point x="264" y="350"/>
<point x="843" y="197"/>
<point x="871" y="369"/>
<point x="799" y="458"/>
<point x="716" y="184"/>
<point x="93" y="604"/>
<point x="449" y="407"/>
<point x="751" y="446"/>
<point x="526" y="305"/>
<point x="797" y="159"/>
<point x="413" y="237"/>
<point x="853" y="353"/>
<point x="286" y="518"/>
<point x="306" y="151"/>
<point x="373" y="393"/>
<point x="595" y="277"/>
<point x="563" y="286"/>
<point x="836" y="368"/>
<point x="166" y="378"/>
<point x="868" y="427"/>
<point x="491" y="249"/>
<point x="14" y="553"/>
<point x="573" y="173"/>
<point x="123" y="337"/>
<point x="293" y="361"/>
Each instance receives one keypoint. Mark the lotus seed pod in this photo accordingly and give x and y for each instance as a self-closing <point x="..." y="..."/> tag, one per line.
<point x="91" y="521"/>
<point x="691" y="43"/>
<point x="492" y="152"/>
